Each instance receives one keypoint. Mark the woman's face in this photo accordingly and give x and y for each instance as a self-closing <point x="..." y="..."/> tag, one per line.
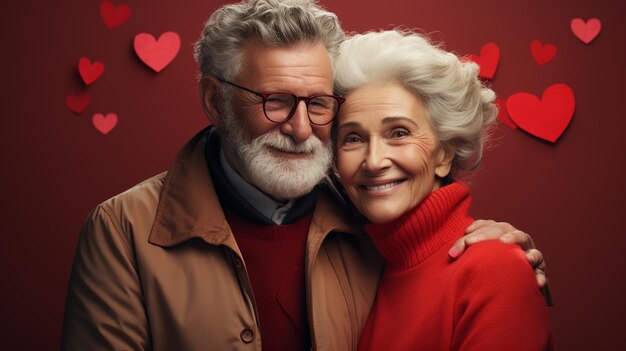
<point x="387" y="153"/>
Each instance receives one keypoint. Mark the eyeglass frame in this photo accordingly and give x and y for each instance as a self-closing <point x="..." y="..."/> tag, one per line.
<point x="306" y="99"/>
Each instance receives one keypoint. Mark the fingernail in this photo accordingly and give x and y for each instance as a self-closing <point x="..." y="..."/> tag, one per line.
<point x="454" y="252"/>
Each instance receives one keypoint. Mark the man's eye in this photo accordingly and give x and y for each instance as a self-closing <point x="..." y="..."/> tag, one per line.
<point x="277" y="101"/>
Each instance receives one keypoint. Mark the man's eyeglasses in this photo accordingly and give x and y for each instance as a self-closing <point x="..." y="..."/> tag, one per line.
<point x="280" y="106"/>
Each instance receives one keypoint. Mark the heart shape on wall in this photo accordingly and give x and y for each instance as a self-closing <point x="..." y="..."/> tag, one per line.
<point x="546" y="118"/>
<point x="78" y="103"/>
<point x="114" y="15"/>
<point x="157" y="54"/>
<point x="503" y="115"/>
<point x="588" y="31"/>
<point x="104" y="124"/>
<point x="488" y="60"/>
<point x="89" y="72"/>
<point x="542" y="53"/>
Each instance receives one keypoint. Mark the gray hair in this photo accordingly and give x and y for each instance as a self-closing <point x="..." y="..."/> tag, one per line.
<point x="459" y="106"/>
<point x="275" y="22"/>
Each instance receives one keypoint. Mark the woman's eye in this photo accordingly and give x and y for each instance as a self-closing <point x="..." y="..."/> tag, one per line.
<point x="399" y="133"/>
<point x="351" y="138"/>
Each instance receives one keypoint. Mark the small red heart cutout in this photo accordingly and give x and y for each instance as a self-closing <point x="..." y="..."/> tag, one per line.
<point x="157" y="54"/>
<point x="114" y="15"/>
<point x="104" y="124"/>
<point x="503" y="115"/>
<point x="542" y="53"/>
<point x="89" y="72"/>
<point x="78" y="103"/>
<point x="588" y="31"/>
<point x="488" y="60"/>
<point x="546" y="118"/>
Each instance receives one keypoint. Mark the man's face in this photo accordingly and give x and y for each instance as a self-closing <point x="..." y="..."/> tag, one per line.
<point x="285" y="160"/>
<point x="302" y="69"/>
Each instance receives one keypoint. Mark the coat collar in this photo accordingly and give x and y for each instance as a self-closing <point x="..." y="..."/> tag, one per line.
<point x="189" y="207"/>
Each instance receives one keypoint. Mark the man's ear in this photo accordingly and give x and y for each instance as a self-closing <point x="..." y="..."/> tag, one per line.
<point x="211" y="99"/>
<point x="444" y="160"/>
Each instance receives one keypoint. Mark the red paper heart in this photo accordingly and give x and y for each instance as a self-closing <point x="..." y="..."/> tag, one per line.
<point x="114" y="15"/>
<point x="104" y="124"/>
<point x="546" y="118"/>
<point x="503" y="115"/>
<point x="488" y="60"/>
<point x="78" y="103"/>
<point x="157" y="54"/>
<point x="586" y="32"/>
<point x="89" y="72"/>
<point x="542" y="53"/>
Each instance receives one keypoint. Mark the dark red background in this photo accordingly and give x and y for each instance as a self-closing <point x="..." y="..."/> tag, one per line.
<point x="56" y="166"/>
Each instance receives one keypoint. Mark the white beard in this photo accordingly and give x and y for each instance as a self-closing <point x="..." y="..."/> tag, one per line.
<point x="280" y="177"/>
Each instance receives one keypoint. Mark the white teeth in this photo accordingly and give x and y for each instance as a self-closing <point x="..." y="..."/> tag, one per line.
<point x="381" y="187"/>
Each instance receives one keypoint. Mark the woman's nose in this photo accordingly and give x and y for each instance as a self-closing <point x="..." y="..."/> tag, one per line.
<point x="377" y="156"/>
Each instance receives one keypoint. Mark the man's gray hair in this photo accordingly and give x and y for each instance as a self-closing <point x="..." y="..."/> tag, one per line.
<point x="275" y="22"/>
<point x="459" y="106"/>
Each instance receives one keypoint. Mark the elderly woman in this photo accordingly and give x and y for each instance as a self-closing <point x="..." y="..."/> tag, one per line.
<point x="414" y="115"/>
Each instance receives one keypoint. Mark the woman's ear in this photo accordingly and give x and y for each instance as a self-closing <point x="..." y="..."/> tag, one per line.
<point x="211" y="99"/>
<point x="444" y="161"/>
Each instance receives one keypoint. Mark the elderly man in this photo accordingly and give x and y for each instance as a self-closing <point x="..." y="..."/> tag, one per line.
<point x="241" y="243"/>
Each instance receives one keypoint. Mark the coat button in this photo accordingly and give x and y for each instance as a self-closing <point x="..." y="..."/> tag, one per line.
<point x="247" y="336"/>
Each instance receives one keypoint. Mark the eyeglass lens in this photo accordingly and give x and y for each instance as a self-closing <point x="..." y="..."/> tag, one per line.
<point x="322" y="109"/>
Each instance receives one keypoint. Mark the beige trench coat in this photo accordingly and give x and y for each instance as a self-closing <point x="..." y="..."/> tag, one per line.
<point x="157" y="268"/>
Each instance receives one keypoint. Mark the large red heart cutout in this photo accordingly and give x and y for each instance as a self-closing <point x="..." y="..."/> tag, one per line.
<point x="104" y="124"/>
<point x="503" y="115"/>
<point x="586" y="32"/>
<point x="89" y="72"/>
<point x="546" y="118"/>
<point x="542" y="53"/>
<point x="157" y="54"/>
<point x="78" y="103"/>
<point x="488" y="60"/>
<point x="114" y="15"/>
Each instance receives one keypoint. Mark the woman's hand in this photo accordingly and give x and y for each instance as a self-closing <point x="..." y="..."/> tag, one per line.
<point x="491" y="230"/>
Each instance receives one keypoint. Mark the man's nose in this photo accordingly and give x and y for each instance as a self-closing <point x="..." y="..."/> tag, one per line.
<point x="298" y="126"/>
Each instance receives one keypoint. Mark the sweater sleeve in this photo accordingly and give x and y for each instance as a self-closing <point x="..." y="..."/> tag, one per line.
<point x="497" y="303"/>
<point x="104" y="308"/>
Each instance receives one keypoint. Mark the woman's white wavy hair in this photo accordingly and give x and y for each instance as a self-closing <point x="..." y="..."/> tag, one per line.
<point x="275" y="22"/>
<point x="459" y="106"/>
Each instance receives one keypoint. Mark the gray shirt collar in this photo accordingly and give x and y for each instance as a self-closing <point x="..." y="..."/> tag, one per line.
<point x="273" y="210"/>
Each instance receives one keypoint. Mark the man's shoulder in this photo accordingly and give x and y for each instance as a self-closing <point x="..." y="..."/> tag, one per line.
<point x="126" y="217"/>
<point x="144" y="195"/>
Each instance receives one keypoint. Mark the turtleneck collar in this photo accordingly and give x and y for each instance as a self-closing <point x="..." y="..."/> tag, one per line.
<point x="412" y="238"/>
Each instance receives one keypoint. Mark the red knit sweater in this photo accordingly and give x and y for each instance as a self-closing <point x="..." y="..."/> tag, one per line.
<point x="486" y="300"/>
<point x="274" y="258"/>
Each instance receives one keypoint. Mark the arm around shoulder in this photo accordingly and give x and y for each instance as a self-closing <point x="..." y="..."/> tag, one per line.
<point x="498" y="305"/>
<point x="104" y="307"/>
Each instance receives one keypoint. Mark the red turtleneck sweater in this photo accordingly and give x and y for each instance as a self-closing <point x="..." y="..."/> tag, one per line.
<point x="486" y="300"/>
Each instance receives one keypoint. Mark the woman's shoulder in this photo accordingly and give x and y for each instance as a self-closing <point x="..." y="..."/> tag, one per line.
<point x="494" y="261"/>
<point x="493" y="251"/>
<point x="497" y="304"/>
